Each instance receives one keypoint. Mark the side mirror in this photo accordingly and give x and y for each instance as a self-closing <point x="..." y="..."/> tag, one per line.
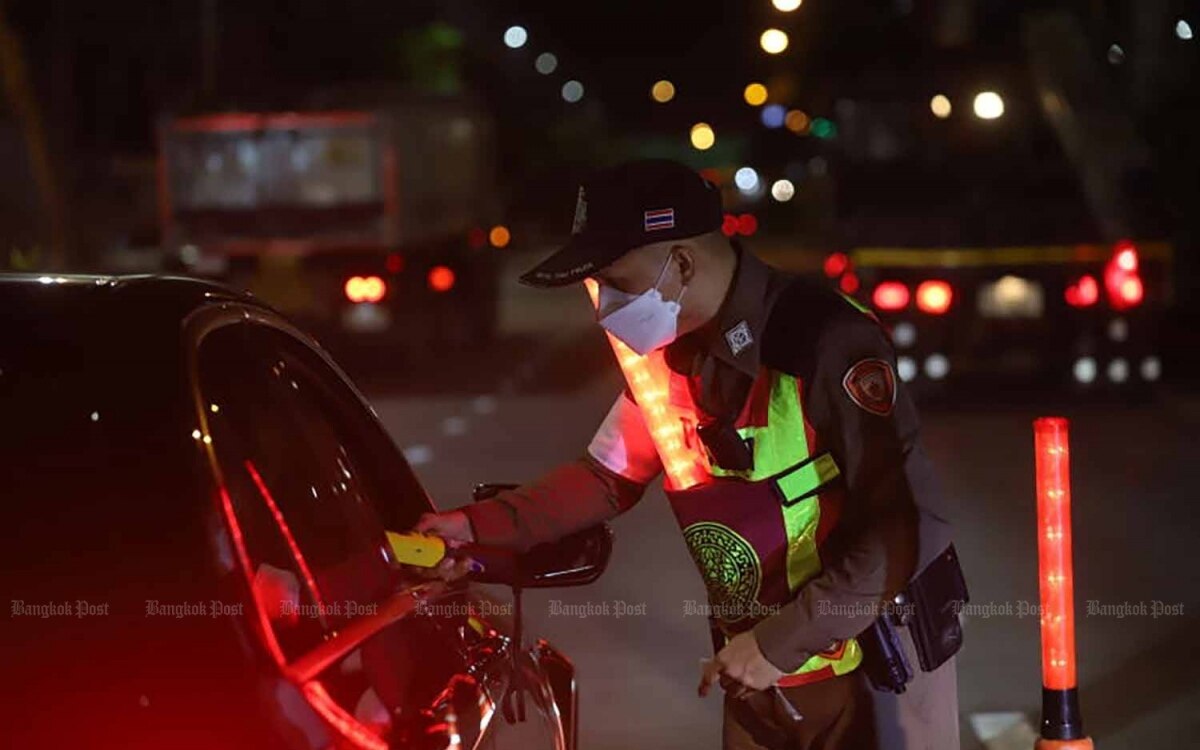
<point x="574" y="560"/>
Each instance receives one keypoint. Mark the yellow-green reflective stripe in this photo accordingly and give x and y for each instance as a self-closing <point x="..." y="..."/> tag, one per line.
<point x="800" y="517"/>
<point x="851" y="658"/>
<point x="808" y="478"/>
<point x="781" y="442"/>
<point x="803" y="562"/>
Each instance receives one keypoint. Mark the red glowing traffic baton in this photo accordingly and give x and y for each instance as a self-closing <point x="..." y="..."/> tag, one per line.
<point x="649" y="379"/>
<point x="1062" y="721"/>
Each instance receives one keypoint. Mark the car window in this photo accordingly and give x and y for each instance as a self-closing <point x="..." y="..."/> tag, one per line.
<point x="308" y="478"/>
<point x="310" y="483"/>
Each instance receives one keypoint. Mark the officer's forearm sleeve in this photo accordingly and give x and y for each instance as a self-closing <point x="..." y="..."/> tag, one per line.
<point x="569" y="498"/>
<point x="871" y="554"/>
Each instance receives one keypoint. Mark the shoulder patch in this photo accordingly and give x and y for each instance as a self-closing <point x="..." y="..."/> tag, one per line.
<point x="871" y="384"/>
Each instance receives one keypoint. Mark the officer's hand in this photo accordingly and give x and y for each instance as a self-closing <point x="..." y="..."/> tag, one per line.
<point x="742" y="661"/>
<point x="453" y="527"/>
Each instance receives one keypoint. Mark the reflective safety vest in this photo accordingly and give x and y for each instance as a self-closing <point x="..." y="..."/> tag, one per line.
<point x="755" y="534"/>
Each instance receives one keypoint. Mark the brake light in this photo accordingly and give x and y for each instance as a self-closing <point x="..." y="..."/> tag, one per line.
<point x="848" y="283"/>
<point x="890" y="295"/>
<point x="1121" y="279"/>
<point x="365" y="289"/>
<point x="934" y="297"/>
<point x="747" y="224"/>
<point x="1131" y="291"/>
<point x="1127" y="257"/>
<point x="836" y="264"/>
<point x="729" y="225"/>
<point x="394" y="263"/>
<point x="441" y="279"/>
<point x="1083" y="293"/>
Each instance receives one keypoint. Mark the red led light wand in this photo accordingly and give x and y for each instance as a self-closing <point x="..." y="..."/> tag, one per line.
<point x="1062" y="721"/>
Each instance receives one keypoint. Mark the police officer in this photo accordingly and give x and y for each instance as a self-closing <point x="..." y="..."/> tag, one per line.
<point x="816" y="506"/>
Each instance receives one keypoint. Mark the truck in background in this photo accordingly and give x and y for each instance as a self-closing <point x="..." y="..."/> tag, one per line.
<point x="366" y="225"/>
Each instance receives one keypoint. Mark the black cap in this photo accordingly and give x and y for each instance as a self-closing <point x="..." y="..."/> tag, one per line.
<point x="627" y="206"/>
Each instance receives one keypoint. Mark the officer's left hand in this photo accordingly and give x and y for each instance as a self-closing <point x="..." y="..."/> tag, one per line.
<point x="742" y="661"/>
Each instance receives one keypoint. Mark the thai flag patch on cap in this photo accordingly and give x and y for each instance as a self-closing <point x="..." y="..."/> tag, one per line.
<point x="663" y="218"/>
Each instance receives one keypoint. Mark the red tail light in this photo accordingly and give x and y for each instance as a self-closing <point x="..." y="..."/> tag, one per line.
<point x="934" y="297"/>
<point x="441" y="279"/>
<point x="848" y="283"/>
<point x="394" y="263"/>
<point x="1121" y="279"/>
<point x="729" y="225"/>
<point x="1126" y="257"/>
<point x="836" y="264"/>
<point x="1131" y="292"/>
<point x="890" y="295"/>
<point x="365" y="289"/>
<point x="747" y="224"/>
<point x="1083" y="293"/>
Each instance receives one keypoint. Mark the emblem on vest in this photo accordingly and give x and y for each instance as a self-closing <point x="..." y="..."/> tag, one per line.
<point x="730" y="568"/>
<point x="739" y="338"/>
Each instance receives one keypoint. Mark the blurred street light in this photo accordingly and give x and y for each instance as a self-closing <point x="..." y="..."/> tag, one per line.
<point x="516" y="36"/>
<point x="796" y="121"/>
<point x="703" y="137"/>
<point x="755" y="94"/>
<point x="787" y="6"/>
<point x="1183" y="30"/>
<point x="773" y="116"/>
<point x="783" y="190"/>
<point x="499" y="236"/>
<point x="572" y="91"/>
<point x="941" y="106"/>
<point x="988" y="105"/>
<point x="746" y="179"/>
<point x="773" y="41"/>
<point x="823" y="129"/>
<point x="662" y="91"/>
<point x="546" y="63"/>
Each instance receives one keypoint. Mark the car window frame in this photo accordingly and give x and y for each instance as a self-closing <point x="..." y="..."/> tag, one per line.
<point x="306" y="669"/>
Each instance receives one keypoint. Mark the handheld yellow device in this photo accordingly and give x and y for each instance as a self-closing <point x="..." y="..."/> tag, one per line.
<point x="422" y="550"/>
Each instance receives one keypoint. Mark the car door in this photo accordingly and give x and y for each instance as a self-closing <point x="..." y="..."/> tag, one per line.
<point x="367" y="652"/>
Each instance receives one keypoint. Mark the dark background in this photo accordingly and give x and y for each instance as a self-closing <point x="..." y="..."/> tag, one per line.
<point x="86" y="83"/>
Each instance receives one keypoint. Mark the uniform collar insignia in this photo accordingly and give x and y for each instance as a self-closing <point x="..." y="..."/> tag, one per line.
<point x="739" y="337"/>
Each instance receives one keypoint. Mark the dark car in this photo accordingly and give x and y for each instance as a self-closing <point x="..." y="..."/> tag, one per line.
<point x="195" y="501"/>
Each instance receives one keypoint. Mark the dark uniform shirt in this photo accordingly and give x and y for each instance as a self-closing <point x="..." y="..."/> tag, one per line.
<point x="807" y="330"/>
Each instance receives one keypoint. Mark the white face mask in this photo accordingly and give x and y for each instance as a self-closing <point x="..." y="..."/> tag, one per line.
<point x="645" y="321"/>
